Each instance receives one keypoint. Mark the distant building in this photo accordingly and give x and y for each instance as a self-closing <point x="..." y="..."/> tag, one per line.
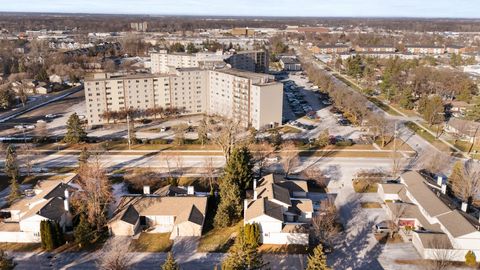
<point x="139" y="26"/>
<point x="290" y="64"/>
<point x="246" y="32"/>
<point x="419" y="49"/>
<point x="253" y="61"/>
<point x="375" y="49"/>
<point x="330" y="49"/>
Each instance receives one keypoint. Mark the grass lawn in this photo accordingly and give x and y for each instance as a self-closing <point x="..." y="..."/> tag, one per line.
<point x="21" y="247"/>
<point x="218" y="239"/>
<point x="290" y="249"/>
<point x="400" y="144"/>
<point x="428" y="137"/>
<point x="370" y="205"/>
<point x="27" y="180"/>
<point x="362" y="187"/>
<point x="289" y="129"/>
<point x="383" y="106"/>
<point x="152" y="242"/>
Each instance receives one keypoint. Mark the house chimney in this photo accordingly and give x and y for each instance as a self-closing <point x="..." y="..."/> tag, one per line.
<point x="464" y="207"/>
<point x="254" y="184"/>
<point x="190" y="190"/>
<point x="439" y="180"/>
<point x="444" y="188"/>
<point x="255" y="195"/>
<point x="66" y="204"/>
<point x="146" y="190"/>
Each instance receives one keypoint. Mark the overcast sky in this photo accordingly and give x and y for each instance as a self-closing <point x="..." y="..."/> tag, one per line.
<point x="320" y="8"/>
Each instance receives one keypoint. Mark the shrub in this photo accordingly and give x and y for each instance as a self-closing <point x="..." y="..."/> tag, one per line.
<point x="470" y="258"/>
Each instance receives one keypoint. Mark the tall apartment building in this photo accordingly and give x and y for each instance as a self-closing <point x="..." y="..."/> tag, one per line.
<point x="254" y="61"/>
<point x="139" y="26"/>
<point x="255" y="99"/>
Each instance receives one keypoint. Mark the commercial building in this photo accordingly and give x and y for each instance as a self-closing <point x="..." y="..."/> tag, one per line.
<point x="427" y="218"/>
<point x="243" y="32"/>
<point x="254" y="98"/>
<point x="375" y="49"/>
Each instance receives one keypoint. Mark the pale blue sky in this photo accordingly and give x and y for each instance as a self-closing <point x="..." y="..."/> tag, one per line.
<point x="320" y="8"/>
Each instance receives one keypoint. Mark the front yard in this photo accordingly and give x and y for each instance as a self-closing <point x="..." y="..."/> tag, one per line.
<point x="152" y="242"/>
<point x="218" y="239"/>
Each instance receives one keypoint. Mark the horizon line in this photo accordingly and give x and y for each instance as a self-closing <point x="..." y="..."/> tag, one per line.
<point x="235" y="16"/>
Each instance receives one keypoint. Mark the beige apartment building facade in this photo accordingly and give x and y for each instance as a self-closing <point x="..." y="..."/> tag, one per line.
<point x="254" y="61"/>
<point x="255" y="99"/>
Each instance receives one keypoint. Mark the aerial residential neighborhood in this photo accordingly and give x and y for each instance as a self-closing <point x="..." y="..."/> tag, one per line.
<point x="239" y="135"/>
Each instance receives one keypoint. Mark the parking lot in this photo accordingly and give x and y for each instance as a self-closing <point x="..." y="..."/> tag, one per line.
<point x="312" y="112"/>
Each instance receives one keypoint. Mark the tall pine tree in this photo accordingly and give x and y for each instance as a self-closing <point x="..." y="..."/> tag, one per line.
<point x="239" y="169"/>
<point x="75" y="131"/>
<point x="11" y="169"/>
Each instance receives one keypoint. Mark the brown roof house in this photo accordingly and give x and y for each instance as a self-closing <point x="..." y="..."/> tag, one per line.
<point x="433" y="227"/>
<point x="48" y="200"/>
<point x="463" y="129"/>
<point x="167" y="210"/>
<point x="281" y="209"/>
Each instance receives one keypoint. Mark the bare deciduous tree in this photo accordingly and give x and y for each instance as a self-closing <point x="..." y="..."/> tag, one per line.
<point x="442" y="255"/>
<point x="115" y="255"/>
<point x="289" y="156"/>
<point x="224" y="132"/>
<point x="316" y="175"/>
<point x="28" y="157"/>
<point x="468" y="185"/>
<point x="260" y="153"/>
<point x="325" y="223"/>
<point x="397" y="210"/>
<point x="209" y="171"/>
<point x="95" y="194"/>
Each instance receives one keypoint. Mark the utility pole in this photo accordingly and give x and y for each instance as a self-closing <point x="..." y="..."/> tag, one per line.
<point x="128" y="132"/>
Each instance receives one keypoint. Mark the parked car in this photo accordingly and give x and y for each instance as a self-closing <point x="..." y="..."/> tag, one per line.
<point x="384" y="227"/>
<point x="50" y="115"/>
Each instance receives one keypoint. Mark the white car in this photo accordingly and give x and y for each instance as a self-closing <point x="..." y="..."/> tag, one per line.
<point x="50" y="115"/>
<point x="21" y="127"/>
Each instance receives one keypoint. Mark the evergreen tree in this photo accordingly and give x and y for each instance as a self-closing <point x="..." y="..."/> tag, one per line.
<point x="252" y="234"/>
<point x="470" y="259"/>
<point x="6" y="262"/>
<point x="58" y="235"/>
<point x="75" y="131"/>
<point x="229" y="209"/>
<point x="318" y="260"/>
<point x="48" y="238"/>
<point x="83" y="232"/>
<point x="239" y="169"/>
<point x="276" y="139"/>
<point x="242" y="255"/>
<point x="406" y="99"/>
<point x="15" y="192"/>
<point x="11" y="164"/>
<point x="455" y="179"/>
<point x="170" y="263"/>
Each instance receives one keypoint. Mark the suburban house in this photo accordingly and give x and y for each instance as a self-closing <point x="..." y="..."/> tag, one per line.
<point x="428" y="220"/>
<point x="48" y="200"/>
<point x="458" y="108"/>
<point x="282" y="210"/>
<point x="463" y="129"/>
<point x="170" y="209"/>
